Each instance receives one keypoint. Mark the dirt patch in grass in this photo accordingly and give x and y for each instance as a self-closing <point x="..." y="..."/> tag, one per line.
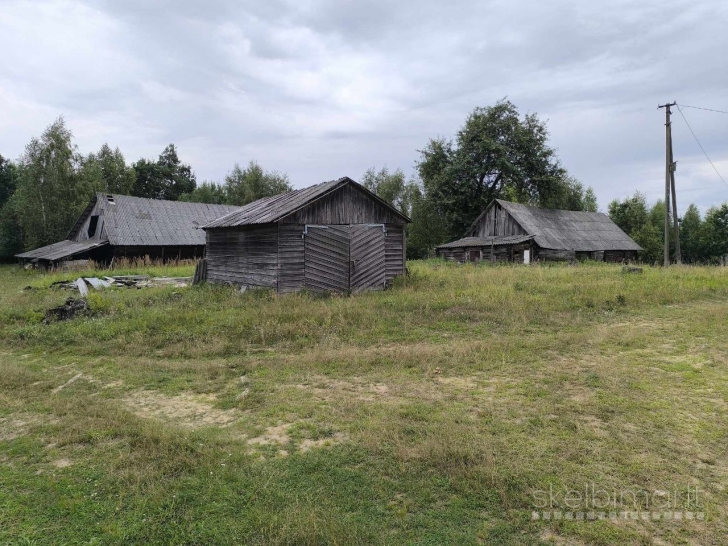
<point x="273" y="435"/>
<point x="308" y="444"/>
<point x="328" y="389"/>
<point x="21" y="424"/>
<point x="280" y="436"/>
<point x="62" y="463"/>
<point x="184" y="410"/>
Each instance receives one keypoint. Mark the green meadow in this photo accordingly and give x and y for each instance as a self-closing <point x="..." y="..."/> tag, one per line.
<point x="436" y="412"/>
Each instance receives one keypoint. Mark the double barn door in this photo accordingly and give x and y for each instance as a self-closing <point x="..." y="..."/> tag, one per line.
<point x="344" y="258"/>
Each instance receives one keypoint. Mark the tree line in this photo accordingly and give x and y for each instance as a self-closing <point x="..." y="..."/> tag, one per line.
<point x="497" y="153"/>
<point x="48" y="187"/>
<point x="702" y="240"/>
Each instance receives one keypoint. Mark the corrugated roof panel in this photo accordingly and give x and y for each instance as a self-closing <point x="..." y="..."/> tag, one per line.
<point x="570" y="230"/>
<point x="136" y="221"/>
<point x="60" y="250"/>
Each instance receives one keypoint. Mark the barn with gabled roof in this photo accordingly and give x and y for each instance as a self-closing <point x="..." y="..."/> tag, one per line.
<point x="335" y="236"/>
<point x="124" y="226"/>
<point x="507" y="231"/>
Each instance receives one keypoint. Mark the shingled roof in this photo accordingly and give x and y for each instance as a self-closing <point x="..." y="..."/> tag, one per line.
<point x="272" y="209"/>
<point x="136" y="221"/>
<point x="568" y="229"/>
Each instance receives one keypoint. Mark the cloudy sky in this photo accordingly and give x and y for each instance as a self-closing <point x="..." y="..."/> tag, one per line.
<point x="322" y="89"/>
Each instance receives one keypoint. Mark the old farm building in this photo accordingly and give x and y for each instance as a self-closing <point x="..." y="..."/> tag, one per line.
<point x="124" y="226"/>
<point x="513" y="232"/>
<point x="334" y="236"/>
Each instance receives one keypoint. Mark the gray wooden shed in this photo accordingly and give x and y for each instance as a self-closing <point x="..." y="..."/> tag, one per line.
<point x="507" y="231"/>
<point x="334" y="236"/>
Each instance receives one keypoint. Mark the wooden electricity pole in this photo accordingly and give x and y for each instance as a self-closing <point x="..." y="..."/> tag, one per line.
<point x="670" y="193"/>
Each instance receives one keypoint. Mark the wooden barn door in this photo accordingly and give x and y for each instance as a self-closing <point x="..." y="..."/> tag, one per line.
<point x="367" y="257"/>
<point x="326" y="258"/>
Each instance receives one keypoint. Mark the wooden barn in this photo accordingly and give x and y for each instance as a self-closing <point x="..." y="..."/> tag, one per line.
<point x="334" y="236"/>
<point x="513" y="232"/>
<point x="124" y="226"/>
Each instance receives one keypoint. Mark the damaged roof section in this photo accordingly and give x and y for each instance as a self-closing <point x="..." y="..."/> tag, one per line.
<point x="61" y="250"/>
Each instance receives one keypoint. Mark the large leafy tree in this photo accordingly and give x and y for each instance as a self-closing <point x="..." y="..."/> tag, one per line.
<point x="427" y="229"/>
<point x="166" y="178"/>
<point x="630" y="214"/>
<point x="646" y="225"/>
<point x="107" y="171"/>
<point x="207" y="192"/>
<point x="243" y="186"/>
<point x="390" y="186"/>
<point x="50" y="195"/>
<point x="497" y="153"/>
<point x="570" y="194"/>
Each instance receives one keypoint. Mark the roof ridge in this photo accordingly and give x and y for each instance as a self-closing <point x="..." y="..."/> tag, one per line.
<point x="272" y="209"/>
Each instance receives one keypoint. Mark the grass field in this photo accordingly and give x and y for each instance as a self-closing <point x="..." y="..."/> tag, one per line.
<point x="431" y="413"/>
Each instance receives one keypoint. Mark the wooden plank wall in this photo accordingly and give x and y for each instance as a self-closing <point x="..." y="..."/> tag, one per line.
<point x="394" y="251"/>
<point x="245" y="256"/>
<point x="497" y="222"/>
<point x="620" y="255"/>
<point x="348" y="205"/>
<point x="367" y="257"/>
<point x="327" y="262"/>
<point x="291" y="255"/>
<point x="545" y="255"/>
<point x="501" y="253"/>
<point x="291" y="268"/>
<point x="451" y="254"/>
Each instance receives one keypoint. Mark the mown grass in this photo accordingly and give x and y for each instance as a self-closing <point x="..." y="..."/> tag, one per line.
<point x="425" y="414"/>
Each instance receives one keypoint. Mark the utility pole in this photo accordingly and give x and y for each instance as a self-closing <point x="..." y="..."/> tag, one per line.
<point x="675" y="223"/>
<point x="669" y="182"/>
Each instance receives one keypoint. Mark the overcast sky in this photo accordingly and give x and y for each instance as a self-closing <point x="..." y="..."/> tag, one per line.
<point x="323" y="89"/>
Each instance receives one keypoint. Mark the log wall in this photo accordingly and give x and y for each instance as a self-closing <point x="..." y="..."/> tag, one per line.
<point x="245" y="256"/>
<point x="290" y="257"/>
<point x="500" y="253"/>
<point x="549" y="255"/>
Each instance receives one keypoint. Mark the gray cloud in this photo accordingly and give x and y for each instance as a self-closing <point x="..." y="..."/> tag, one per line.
<point x="320" y="89"/>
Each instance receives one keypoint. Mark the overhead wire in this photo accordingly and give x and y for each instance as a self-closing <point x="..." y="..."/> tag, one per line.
<point x="679" y="109"/>
<point x="701" y="108"/>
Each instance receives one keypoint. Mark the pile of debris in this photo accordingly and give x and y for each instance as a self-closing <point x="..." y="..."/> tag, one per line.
<point x="67" y="311"/>
<point x="82" y="284"/>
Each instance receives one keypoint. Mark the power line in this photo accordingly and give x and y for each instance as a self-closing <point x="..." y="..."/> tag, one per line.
<point x="701" y="108"/>
<point x="701" y="146"/>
